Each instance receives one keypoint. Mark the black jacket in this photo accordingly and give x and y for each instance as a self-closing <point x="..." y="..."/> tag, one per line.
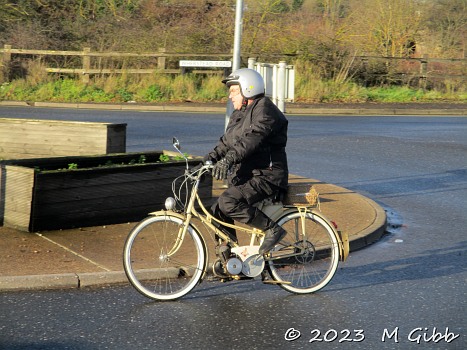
<point x="255" y="139"/>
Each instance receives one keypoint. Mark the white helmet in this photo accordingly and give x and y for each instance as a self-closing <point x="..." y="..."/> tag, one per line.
<point x="250" y="81"/>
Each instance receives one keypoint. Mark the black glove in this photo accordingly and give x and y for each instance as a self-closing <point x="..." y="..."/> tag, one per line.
<point x="221" y="168"/>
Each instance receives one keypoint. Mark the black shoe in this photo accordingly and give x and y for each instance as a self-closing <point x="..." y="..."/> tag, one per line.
<point x="272" y="237"/>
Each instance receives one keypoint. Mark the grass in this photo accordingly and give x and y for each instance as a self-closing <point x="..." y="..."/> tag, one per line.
<point x="158" y="88"/>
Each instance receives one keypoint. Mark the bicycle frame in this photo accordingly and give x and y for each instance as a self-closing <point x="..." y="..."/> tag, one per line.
<point x="273" y="210"/>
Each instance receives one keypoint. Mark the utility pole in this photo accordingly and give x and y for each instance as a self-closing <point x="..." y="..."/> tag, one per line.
<point x="236" y="51"/>
<point x="237" y="35"/>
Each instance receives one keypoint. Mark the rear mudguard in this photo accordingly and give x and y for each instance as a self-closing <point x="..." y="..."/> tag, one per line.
<point x="276" y="212"/>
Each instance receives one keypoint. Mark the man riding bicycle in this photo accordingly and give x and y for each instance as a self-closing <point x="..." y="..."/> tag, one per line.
<point x="251" y="155"/>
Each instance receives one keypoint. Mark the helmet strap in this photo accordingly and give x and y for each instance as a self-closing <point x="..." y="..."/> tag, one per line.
<point x="244" y="104"/>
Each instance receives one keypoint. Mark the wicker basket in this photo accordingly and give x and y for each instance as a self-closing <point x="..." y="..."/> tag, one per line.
<point x="301" y="194"/>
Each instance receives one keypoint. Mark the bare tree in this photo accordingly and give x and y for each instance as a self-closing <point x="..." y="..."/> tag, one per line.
<point x="446" y="31"/>
<point x="385" y="27"/>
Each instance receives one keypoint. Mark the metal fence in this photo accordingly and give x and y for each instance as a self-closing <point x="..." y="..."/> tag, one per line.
<point x="279" y="80"/>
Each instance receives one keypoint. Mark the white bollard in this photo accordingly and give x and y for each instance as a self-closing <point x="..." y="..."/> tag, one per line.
<point x="251" y="63"/>
<point x="281" y="81"/>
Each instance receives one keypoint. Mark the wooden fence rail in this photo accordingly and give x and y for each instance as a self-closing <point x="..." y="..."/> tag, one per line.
<point x="86" y="54"/>
<point x="426" y="67"/>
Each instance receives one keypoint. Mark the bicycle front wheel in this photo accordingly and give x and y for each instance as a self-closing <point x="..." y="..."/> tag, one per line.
<point x="161" y="261"/>
<point x="309" y="260"/>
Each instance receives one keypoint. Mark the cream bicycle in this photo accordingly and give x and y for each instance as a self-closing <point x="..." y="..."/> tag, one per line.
<point x="165" y="255"/>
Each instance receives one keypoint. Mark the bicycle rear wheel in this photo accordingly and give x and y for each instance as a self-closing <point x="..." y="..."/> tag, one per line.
<point x="159" y="262"/>
<point x="311" y="259"/>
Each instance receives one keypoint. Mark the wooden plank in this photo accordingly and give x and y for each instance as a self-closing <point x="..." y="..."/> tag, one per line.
<point x="19" y="183"/>
<point x="111" y="71"/>
<point x="32" y="137"/>
<point x="58" y="148"/>
<point x="125" y="208"/>
<point x="108" y="177"/>
<point x="52" y="134"/>
<point x="2" y="191"/>
<point x="63" y="149"/>
<point x="85" y="162"/>
<point x="51" y="138"/>
<point x="110" y="53"/>
<point x="125" y="200"/>
<point x="116" y="138"/>
<point x="49" y="133"/>
<point x="21" y="141"/>
<point x="83" y="193"/>
<point x="51" y="122"/>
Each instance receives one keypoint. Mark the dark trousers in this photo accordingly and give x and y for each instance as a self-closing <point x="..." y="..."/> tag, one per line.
<point x="236" y="203"/>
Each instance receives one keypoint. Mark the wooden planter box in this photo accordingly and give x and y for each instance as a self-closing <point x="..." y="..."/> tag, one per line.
<point x="38" y="197"/>
<point x="31" y="138"/>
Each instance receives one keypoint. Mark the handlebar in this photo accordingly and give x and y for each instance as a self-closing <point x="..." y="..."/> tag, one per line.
<point x="200" y="170"/>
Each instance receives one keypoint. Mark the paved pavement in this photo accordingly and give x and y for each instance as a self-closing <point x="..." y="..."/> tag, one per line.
<point x="93" y="255"/>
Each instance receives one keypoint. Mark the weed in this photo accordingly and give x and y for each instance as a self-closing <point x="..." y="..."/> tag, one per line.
<point x="124" y="95"/>
<point x="153" y="93"/>
<point x="164" y="158"/>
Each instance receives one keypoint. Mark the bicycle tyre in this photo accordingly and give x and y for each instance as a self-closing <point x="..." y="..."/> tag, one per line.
<point x="149" y="267"/>
<point x="312" y="270"/>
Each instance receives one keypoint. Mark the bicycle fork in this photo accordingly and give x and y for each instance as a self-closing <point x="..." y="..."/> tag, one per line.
<point x="186" y="222"/>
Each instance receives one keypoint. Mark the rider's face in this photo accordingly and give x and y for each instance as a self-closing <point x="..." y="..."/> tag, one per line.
<point x="235" y="96"/>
